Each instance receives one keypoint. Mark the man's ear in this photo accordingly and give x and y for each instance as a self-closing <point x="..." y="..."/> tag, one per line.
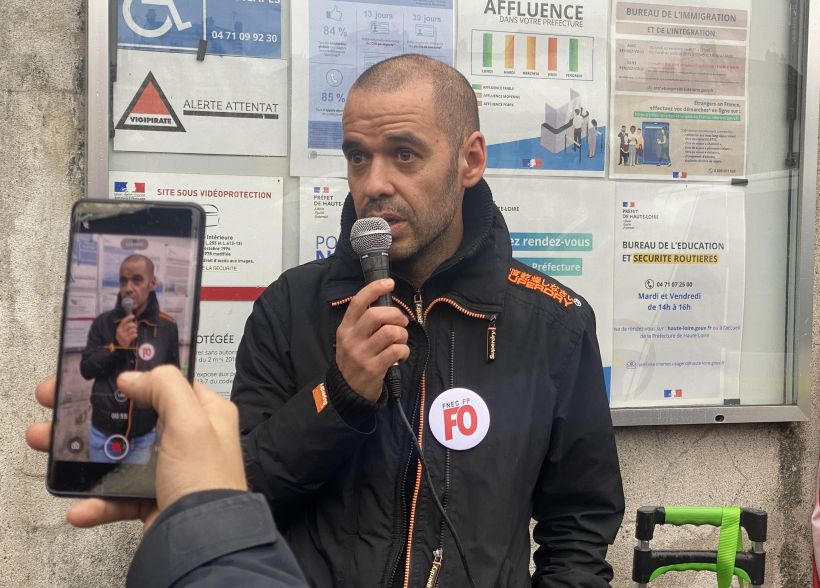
<point x="153" y="281"/>
<point x="473" y="159"/>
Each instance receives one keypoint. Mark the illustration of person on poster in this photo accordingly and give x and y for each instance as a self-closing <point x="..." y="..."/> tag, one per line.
<point x="540" y="80"/>
<point x="680" y="88"/>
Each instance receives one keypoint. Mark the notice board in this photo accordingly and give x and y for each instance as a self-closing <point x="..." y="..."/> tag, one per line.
<point x="656" y="157"/>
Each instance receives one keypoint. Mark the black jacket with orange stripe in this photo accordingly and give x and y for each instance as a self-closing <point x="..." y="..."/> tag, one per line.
<point x="340" y="473"/>
<point x="157" y="344"/>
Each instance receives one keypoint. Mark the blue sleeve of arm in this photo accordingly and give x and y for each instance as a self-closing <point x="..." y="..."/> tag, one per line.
<point x="215" y="538"/>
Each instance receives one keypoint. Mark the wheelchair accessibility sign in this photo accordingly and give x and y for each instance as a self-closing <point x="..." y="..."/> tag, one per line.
<point x="238" y="28"/>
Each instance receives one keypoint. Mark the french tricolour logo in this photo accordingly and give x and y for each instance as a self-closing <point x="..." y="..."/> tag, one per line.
<point x="125" y="188"/>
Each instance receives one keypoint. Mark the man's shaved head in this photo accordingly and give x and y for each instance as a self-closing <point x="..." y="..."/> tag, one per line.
<point x="149" y="265"/>
<point x="454" y="99"/>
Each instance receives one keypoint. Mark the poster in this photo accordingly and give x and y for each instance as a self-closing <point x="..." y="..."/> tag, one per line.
<point x="334" y="42"/>
<point x="679" y="100"/>
<point x="539" y="74"/>
<point x="241" y="28"/>
<point x="679" y="292"/>
<point x="320" y="214"/>
<point x="80" y="312"/>
<point x="563" y="228"/>
<point x="243" y="252"/>
<point x="221" y="325"/>
<point x="172" y="103"/>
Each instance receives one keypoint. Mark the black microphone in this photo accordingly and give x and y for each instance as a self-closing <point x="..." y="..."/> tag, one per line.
<point x="371" y="239"/>
<point x="127" y="304"/>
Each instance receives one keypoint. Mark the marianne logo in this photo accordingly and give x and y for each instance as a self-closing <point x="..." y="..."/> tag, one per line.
<point x="628" y="205"/>
<point x="673" y="393"/>
<point x="150" y="110"/>
<point x="531" y="163"/>
<point x="129" y="188"/>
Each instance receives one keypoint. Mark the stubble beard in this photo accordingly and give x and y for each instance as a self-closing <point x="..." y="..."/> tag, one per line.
<point x="428" y="237"/>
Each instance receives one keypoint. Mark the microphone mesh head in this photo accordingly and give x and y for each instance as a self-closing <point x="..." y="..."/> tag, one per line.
<point x="369" y="235"/>
<point x="128" y="305"/>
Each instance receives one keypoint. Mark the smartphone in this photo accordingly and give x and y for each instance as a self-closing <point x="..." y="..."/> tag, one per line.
<point x="131" y="302"/>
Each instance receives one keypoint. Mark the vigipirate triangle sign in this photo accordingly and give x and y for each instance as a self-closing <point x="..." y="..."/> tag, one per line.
<point x="150" y="110"/>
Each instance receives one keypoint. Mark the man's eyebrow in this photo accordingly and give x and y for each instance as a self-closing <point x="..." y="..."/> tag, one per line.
<point x="349" y="144"/>
<point x="405" y="138"/>
<point x="400" y="138"/>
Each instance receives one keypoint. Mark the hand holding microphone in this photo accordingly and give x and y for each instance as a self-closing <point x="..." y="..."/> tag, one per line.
<point x="372" y="335"/>
<point x="127" y="327"/>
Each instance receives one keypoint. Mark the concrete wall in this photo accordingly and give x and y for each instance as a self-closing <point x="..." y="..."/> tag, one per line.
<point x="41" y="174"/>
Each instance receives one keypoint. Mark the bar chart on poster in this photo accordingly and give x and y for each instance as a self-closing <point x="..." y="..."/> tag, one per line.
<point x="532" y="55"/>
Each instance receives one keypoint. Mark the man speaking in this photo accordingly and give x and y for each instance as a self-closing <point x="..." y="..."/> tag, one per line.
<point x="135" y="335"/>
<point x="500" y="372"/>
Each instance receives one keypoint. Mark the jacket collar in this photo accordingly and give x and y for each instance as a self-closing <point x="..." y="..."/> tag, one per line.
<point x="475" y="276"/>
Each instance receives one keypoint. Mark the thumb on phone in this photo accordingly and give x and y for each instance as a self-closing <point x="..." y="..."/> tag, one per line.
<point x="199" y="440"/>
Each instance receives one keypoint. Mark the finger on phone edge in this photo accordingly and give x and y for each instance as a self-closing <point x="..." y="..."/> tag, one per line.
<point x="44" y="392"/>
<point x="38" y="435"/>
<point x="91" y="512"/>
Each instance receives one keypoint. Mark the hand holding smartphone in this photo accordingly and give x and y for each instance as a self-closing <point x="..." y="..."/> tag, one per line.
<point x="131" y="304"/>
<point x="200" y="446"/>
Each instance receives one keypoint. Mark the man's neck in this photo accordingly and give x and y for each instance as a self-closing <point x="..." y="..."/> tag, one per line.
<point x="419" y="269"/>
<point x="418" y="273"/>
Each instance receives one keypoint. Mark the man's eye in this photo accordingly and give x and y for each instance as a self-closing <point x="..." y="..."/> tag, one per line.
<point x="405" y="155"/>
<point x="355" y="157"/>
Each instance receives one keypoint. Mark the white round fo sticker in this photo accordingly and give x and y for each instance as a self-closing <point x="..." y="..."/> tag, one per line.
<point x="459" y="418"/>
<point x="146" y="352"/>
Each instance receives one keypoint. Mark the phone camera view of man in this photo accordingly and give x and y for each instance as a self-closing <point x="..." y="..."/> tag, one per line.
<point x="130" y="305"/>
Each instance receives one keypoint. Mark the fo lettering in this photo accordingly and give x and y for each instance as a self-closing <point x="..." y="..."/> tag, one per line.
<point x="458" y="416"/>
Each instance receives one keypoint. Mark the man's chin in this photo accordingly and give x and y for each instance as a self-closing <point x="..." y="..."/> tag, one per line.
<point x="400" y="252"/>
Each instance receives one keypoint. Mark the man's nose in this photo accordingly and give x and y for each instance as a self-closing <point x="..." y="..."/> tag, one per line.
<point x="378" y="183"/>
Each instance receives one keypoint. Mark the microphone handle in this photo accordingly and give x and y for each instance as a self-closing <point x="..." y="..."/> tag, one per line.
<point x="376" y="266"/>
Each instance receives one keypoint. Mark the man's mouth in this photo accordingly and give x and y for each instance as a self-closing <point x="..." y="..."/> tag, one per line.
<point x="390" y="218"/>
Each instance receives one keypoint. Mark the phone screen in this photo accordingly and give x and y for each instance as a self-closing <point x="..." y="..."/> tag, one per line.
<point x="131" y="303"/>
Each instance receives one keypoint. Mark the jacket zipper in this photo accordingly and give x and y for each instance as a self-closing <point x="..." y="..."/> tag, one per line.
<point x="438" y="554"/>
<point x="420" y="317"/>
<point x="491" y="340"/>
<point x="407" y="521"/>
<point x="405" y="524"/>
<point x="492" y="343"/>
<point x="432" y="579"/>
<point x="420" y="314"/>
